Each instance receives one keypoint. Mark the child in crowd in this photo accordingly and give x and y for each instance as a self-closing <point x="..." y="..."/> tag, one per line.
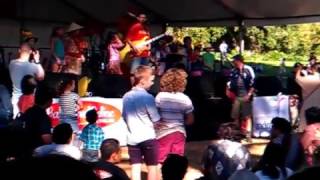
<point x="174" y="167"/>
<point x="114" y="44"/>
<point x="175" y="109"/>
<point x="28" y="87"/>
<point x="140" y="113"/>
<point x="68" y="101"/>
<point x="110" y="154"/>
<point x="92" y="137"/>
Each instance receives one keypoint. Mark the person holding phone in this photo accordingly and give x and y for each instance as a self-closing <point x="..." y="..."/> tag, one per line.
<point x="22" y="66"/>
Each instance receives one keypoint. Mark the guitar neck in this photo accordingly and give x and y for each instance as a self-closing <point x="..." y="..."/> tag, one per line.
<point x="151" y="40"/>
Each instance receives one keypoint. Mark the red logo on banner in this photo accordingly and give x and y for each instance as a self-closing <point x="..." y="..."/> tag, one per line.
<point x="107" y="114"/>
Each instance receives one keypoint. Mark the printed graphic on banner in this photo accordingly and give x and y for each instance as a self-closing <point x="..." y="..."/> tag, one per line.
<point x="264" y="109"/>
<point x="108" y="113"/>
<point x="109" y="116"/>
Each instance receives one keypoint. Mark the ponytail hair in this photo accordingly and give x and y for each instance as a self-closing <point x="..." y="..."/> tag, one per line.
<point x="64" y="85"/>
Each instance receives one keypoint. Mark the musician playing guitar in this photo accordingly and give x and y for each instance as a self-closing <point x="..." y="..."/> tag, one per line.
<point x="138" y="31"/>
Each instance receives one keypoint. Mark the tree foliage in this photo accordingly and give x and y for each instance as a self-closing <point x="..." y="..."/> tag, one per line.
<point x="292" y="40"/>
<point x="203" y="35"/>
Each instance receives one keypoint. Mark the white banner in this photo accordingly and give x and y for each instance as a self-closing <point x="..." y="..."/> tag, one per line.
<point x="264" y="109"/>
<point x="109" y="116"/>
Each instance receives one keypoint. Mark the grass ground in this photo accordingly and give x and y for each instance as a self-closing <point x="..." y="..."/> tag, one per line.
<point x="270" y="65"/>
<point x="269" y="68"/>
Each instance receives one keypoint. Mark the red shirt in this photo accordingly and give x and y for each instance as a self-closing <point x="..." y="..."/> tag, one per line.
<point x="138" y="32"/>
<point x="25" y="102"/>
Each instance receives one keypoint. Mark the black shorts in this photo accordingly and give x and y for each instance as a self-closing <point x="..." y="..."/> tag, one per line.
<point x="147" y="151"/>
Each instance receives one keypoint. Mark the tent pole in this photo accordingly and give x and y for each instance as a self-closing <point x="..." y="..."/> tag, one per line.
<point x="241" y="36"/>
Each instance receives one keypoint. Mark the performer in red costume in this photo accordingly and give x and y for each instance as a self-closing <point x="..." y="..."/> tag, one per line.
<point x="138" y="32"/>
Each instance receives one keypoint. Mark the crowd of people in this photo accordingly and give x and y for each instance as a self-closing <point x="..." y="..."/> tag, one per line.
<point x="156" y="123"/>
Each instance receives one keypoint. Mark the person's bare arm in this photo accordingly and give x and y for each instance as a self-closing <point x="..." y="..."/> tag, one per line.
<point x="58" y="60"/>
<point x="249" y="95"/>
<point x="39" y="75"/>
<point x="132" y="46"/>
<point x="189" y="118"/>
<point x="119" y="44"/>
<point x="299" y="78"/>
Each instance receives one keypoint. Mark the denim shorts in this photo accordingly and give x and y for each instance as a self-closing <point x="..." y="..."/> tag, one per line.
<point x="90" y="155"/>
<point x="72" y="120"/>
<point x="149" y="150"/>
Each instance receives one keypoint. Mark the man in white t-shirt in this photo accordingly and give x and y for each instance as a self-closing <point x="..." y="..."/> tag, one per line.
<point x="223" y="50"/>
<point x="20" y="67"/>
<point x="140" y="114"/>
<point x="176" y="111"/>
<point x="61" y="136"/>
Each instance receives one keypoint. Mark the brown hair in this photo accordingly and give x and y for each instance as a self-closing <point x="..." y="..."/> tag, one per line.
<point x="64" y="85"/>
<point x="142" y="72"/>
<point x="174" y="80"/>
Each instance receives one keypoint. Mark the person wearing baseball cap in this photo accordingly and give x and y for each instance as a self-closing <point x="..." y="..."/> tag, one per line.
<point x="241" y="85"/>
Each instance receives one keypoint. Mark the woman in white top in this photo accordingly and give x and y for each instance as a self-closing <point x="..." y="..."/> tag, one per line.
<point x="175" y="109"/>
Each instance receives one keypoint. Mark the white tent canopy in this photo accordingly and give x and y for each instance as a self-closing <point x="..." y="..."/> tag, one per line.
<point x="172" y="12"/>
<point x="40" y="16"/>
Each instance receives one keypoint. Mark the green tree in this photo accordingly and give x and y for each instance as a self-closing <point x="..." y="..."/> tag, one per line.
<point x="293" y="41"/>
<point x="199" y="35"/>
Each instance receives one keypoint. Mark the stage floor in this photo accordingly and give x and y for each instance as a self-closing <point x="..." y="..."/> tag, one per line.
<point x="194" y="151"/>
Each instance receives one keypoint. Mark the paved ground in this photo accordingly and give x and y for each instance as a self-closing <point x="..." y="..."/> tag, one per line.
<point x="194" y="152"/>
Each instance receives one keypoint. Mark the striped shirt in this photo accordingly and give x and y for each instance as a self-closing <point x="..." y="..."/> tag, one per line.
<point x="68" y="104"/>
<point x="92" y="137"/>
<point x="172" y="108"/>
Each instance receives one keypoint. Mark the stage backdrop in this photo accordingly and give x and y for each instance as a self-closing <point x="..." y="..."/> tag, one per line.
<point x="109" y="116"/>
<point x="264" y="109"/>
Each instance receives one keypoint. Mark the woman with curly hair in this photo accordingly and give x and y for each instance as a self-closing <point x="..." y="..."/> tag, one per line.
<point x="175" y="109"/>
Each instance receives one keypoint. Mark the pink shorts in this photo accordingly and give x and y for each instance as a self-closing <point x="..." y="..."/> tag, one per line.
<point x="173" y="143"/>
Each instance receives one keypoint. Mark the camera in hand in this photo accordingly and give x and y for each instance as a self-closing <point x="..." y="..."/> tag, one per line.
<point x="31" y="57"/>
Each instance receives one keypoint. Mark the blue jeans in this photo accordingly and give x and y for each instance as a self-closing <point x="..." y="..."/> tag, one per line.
<point x="90" y="155"/>
<point x="15" y="100"/>
<point x="72" y="120"/>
